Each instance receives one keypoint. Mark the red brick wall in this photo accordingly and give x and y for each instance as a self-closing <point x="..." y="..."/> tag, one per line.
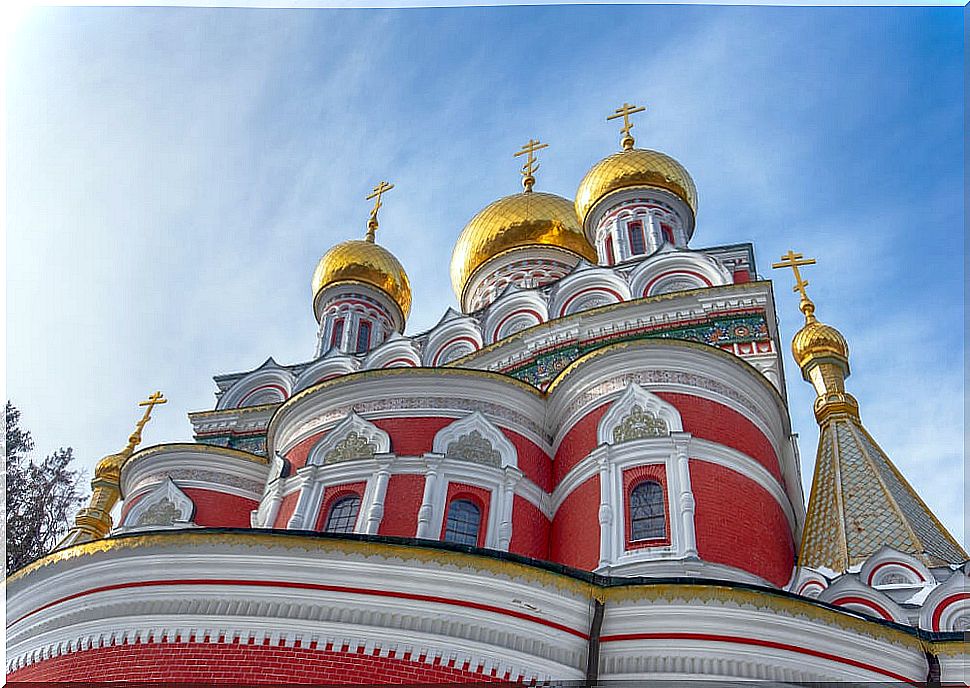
<point x="530" y="529"/>
<point x="631" y="478"/>
<point x="576" y="528"/>
<point x="401" y="504"/>
<point x="297" y="456"/>
<point x="712" y="421"/>
<point x="334" y="492"/>
<point x="287" y="507"/>
<point x="577" y="443"/>
<point x="218" y="509"/>
<point x="476" y="495"/>
<point x="244" y="663"/>
<point x="739" y="523"/>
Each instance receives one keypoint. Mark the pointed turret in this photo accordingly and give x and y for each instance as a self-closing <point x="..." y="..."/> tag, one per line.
<point x="859" y="501"/>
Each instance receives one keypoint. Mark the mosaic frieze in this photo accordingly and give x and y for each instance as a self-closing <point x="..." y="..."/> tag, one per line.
<point x="720" y="332"/>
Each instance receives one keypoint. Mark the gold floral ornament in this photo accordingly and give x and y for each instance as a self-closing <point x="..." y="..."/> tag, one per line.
<point x="475" y="448"/>
<point x="353" y="446"/>
<point x="639" y="424"/>
<point x="93" y="522"/>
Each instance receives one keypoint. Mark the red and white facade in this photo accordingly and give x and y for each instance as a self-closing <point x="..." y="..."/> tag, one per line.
<point x="591" y="478"/>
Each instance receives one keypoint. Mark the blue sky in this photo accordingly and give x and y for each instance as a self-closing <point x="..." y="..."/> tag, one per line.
<point x="175" y="174"/>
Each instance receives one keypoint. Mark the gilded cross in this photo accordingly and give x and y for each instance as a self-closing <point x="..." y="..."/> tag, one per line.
<point x="794" y="261"/>
<point x="531" y="165"/>
<point x="376" y="194"/>
<point x="625" y="111"/>
<point x="151" y="402"/>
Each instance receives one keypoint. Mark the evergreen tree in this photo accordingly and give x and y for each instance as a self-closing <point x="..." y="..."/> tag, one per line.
<point x="41" y="497"/>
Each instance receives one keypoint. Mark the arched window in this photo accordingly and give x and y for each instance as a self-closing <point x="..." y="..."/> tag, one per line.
<point x="343" y="515"/>
<point x="464" y="520"/>
<point x="647" y="520"/>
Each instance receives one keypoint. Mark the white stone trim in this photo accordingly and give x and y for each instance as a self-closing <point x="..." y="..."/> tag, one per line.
<point x="352" y="423"/>
<point x="165" y="490"/>
<point x="475" y="421"/>
<point x="270" y="373"/>
<point x="633" y="396"/>
<point x="957" y="583"/>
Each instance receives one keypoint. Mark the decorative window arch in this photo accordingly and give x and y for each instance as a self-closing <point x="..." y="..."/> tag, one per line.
<point x="638" y="414"/>
<point x="588" y="286"/>
<point x="342" y="515"/>
<point x="674" y="269"/>
<point x="647" y="512"/>
<point x="463" y="522"/>
<point x="268" y="384"/>
<point x="474" y="438"/>
<point x="166" y="506"/>
<point x="352" y="438"/>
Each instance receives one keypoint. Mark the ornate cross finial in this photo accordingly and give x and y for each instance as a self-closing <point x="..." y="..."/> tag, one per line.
<point x="794" y="260"/>
<point x="531" y="165"/>
<point x="376" y="194"/>
<point x="625" y="111"/>
<point x="151" y="402"/>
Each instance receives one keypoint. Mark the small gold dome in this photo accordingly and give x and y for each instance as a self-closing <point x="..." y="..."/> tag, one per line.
<point x="634" y="167"/>
<point x="818" y="340"/>
<point x="525" y="219"/>
<point x="364" y="262"/>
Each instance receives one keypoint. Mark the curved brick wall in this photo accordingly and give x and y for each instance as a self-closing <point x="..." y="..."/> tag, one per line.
<point x="244" y="663"/>
<point x="739" y="523"/>
<point x="578" y="514"/>
<point x="218" y="509"/>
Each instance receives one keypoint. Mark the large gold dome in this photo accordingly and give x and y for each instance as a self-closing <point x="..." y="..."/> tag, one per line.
<point x="364" y="262"/>
<point x="525" y="219"/>
<point x="630" y="168"/>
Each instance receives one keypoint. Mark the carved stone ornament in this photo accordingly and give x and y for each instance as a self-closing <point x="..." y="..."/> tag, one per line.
<point x="476" y="448"/>
<point x="639" y="424"/>
<point x="353" y="438"/>
<point x="161" y="513"/>
<point x="166" y="506"/>
<point x="353" y="446"/>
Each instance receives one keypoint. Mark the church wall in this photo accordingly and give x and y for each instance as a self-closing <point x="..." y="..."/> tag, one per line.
<point x="218" y="509"/>
<point x="575" y="527"/>
<point x="718" y="423"/>
<point x="577" y="443"/>
<point x="476" y="495"/>
<point x="739" y="523"/>
<point x="402" y="502"/>
<point x="530" y="530"/>
<point x="297" y="456"/>
<point x="287" y="507"/>
<point x="245" y="663"/>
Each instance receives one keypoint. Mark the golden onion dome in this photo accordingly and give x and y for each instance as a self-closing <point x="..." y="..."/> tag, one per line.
<point x="818" y="340"/>
<point x="530" y="218"/>
<point x="631" y="168"/>
<point x="364" y="262"/>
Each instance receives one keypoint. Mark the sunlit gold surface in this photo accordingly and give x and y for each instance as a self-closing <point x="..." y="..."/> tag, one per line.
<point x="817" y="340"/>
<point x="635" y="167"/>
<point x="94" y="521"/>
<point x="366" y="262"/>
<point x="526" y="219"/>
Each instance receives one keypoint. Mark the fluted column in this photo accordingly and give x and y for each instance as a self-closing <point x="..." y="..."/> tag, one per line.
<point x="376" y="511"/>
<point x="426" y="511"/>
<point x="685" y="498"/>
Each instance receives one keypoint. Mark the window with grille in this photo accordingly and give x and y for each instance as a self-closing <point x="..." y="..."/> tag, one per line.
<point x="637" y="245"/>
<point x="647" y="519"/>
<point x="464" y="520"/>
<point x="363" y="336"/>
<point x="338" y="332"/>
<point x="343" y="515"/>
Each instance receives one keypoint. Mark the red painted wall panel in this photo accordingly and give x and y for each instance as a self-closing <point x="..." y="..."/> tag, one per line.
<point x="577" y="443"/>
<point x="287" y="507"/>
<point x="718" y="423"/>
<point x="530" y="530"/>
<point x="739" y="523"/>
<point x="401" y="504"/>
<point x="243" y="663"/>
<point x="220" y="510"/>
<point x="575" y="529"/>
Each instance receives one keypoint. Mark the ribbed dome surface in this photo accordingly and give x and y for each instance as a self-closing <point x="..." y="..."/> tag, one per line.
<point x="367" y="263"/>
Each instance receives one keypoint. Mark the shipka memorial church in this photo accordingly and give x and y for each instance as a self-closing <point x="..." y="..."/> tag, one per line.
<point x="585" y="471"/>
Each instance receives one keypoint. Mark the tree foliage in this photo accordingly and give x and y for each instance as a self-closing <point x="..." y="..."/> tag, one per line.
<point x="41" y="496"/>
